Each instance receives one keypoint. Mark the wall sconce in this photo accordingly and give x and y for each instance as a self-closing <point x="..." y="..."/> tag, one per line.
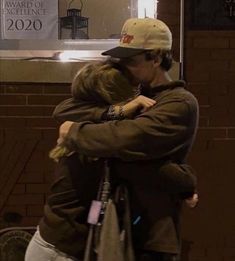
<point x="75" y="23"/>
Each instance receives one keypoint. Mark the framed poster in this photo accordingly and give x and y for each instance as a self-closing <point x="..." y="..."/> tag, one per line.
<point x="212" y="14"/>
<point x="29" y="19"/>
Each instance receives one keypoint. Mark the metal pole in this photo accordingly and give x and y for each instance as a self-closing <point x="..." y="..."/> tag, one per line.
<point x="181" y="40"/>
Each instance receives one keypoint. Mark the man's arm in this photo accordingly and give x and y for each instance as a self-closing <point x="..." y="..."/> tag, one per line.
<point x="178" y="179"/>
<point x="79" y="110"/>
<point x="160" y="132"/>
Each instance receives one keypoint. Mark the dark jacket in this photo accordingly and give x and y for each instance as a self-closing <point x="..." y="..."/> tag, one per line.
<point x="64" y="223"/>
<point x="139" y="148"/>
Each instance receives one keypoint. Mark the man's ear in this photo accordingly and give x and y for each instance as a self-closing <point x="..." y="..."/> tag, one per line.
<point x="156" y="58"/>
<point x="157" y="61"/>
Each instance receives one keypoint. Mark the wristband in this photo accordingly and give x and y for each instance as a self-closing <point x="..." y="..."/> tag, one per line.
<point x="112" y="115"/>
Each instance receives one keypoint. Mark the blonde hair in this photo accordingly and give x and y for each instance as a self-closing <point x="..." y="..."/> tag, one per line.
<point x="97" y="83"/>
<point x="101" y="83"/>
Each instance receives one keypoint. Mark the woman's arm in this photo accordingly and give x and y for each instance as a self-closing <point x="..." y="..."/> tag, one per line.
<point x="177" y="179"/>
<point x="78" y="111"/>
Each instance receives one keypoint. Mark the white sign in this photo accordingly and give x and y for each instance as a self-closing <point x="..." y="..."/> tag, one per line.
<point x="29" y="19"/>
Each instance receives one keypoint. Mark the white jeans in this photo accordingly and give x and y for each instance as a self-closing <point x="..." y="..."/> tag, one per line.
<point x="39" y="250"/>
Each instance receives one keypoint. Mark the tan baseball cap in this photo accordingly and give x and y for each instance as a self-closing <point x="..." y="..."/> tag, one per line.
<point x="139" y="35"/>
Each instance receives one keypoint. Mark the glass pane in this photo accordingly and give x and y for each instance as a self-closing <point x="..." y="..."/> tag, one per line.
<point x="102" y="23"/>
<point x="101" y="19"/>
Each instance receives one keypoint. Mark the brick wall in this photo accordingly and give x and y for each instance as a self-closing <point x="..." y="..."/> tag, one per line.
<point x="209" y="230"/>
<point x="27" y="133"/>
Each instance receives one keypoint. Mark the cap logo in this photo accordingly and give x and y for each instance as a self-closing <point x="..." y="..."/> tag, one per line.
<point x="126" y="38"/>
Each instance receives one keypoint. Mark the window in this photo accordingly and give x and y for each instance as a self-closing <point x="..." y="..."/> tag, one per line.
<point x="104" y="23"/>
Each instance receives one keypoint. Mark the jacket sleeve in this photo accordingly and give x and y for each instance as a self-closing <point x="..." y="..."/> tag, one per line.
<point x="163" y="130"/>
<point x="77" y="111"/>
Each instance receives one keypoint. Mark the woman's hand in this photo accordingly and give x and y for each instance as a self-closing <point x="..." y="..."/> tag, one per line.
<point x="141" y="103"/>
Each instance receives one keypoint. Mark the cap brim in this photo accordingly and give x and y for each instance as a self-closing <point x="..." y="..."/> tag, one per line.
<point x="123" y="52"/>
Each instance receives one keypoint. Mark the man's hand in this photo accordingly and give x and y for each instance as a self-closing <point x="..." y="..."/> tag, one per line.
<point x="193" y="201"/>
<point x="63" y="130"/>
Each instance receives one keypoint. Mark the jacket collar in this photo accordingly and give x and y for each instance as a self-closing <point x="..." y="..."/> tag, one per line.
<point x="149" y="92"/>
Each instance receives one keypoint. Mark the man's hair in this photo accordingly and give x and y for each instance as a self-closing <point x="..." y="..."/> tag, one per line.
<point x="164" y="55"/>
<point x="101" y="83"/>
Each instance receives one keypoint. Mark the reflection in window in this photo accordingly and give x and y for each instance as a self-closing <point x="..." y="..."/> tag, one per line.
<point x="100" y="19"/>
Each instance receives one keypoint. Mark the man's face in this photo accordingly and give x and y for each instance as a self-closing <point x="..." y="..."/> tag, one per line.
<point x="141" y="70"/>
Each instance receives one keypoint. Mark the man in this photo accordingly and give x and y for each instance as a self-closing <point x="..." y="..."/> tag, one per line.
<point x="138" y="147"/>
